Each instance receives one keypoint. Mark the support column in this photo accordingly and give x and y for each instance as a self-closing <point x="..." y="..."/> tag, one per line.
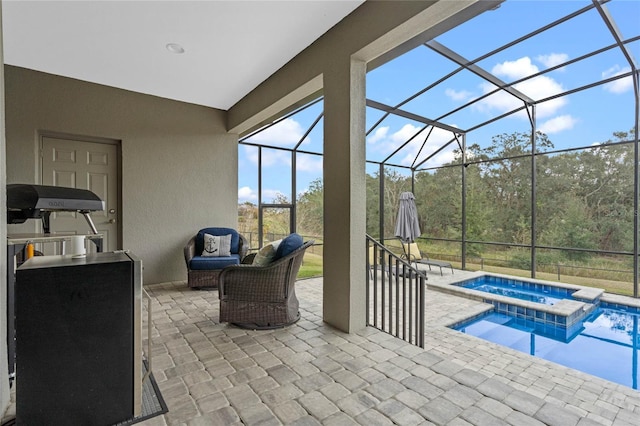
<point x="4" y="373"/>
<point x="344" y="297"/>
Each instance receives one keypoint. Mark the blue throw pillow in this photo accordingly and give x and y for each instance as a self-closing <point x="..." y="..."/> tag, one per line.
<point x="289" y="245"/>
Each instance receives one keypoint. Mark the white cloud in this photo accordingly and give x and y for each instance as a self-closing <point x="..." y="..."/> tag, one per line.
<point x="386" y="143"/>
<point x="437" y="138"/>
<point x="458" y="95"/>
<point x="536" y="88"/>
<point x="286" y="133"/>
<point x="499" y="101"/>
<point x="379" y="134"/>
<point x="515" y="70"/>
<point x="404" y="134"/>
<point x="247" y="194"/>
<point x="621" y="85"/>
<point x="270" y="157"/>
<point x="444" y="157"/>
<point x="251" y="153"/>
<point x="558" y="124"/>
<point x="278" y="158"/>
<point x="309" y="163"/>
<point x="553" y="59"/>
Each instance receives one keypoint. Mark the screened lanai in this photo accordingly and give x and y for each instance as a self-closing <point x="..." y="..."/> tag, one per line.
<point x="517" y="131"/>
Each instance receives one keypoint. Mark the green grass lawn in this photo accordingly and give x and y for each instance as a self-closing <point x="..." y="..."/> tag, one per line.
<point x="311" y="266"/>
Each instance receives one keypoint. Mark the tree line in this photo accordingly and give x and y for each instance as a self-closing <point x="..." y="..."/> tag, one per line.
<point x="584" y="198"/>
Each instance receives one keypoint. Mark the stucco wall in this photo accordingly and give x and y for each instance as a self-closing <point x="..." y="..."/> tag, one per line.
<point x="4" y="378"/>
<point x="179" y="165"/>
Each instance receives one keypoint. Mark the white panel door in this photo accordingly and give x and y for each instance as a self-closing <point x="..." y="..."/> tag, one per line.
<point x="84" y="165"/>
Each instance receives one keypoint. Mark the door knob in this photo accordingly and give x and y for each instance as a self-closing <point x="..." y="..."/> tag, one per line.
<point x="112" y="221"/>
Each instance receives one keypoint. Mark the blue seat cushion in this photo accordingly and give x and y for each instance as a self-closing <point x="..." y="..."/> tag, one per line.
<point x="235" y="238"/>
<point x="289" y="245"/>
<point x="206" y="263"/>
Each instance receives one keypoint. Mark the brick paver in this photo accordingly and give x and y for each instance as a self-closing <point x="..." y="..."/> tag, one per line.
<point x="311" y="374"/>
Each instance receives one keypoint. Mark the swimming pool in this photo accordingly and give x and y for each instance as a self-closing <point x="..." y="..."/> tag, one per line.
<point x="523" y="290"/>
<point x="608" y="345"/>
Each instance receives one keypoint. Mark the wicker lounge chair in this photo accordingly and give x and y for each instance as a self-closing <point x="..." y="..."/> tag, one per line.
<point x="261" y="297"/>
<point x="203" y="272"/>
<point x="413" y="254"/>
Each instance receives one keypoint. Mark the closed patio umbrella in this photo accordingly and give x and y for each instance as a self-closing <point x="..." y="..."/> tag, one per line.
<point x="407" y="226"/>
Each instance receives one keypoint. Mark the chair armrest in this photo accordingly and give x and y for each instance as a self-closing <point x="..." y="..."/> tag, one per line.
<point x="190" y="250"/>
<point x="411" y="258"/>
<point x="248" y="259"/>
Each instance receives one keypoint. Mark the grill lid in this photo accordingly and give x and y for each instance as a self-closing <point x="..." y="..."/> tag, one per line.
<point x="52" y="198"/>
<point x="26" y="201"/>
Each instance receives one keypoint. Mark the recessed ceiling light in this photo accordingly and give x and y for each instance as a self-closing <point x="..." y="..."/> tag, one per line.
<point x="175" y="48"/>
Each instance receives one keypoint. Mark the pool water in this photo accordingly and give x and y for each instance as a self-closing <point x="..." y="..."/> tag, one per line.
<point x="522" y="290"/>
<point x="514" y="292"/>
<point x="608" y="345"/>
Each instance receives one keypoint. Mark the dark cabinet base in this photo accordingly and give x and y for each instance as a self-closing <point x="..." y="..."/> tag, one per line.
<point x="75" y="341"/>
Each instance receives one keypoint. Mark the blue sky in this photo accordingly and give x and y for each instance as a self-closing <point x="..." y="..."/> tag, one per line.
<point x="581" y="119"/>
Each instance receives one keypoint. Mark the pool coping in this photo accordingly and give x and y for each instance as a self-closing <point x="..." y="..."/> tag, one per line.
<point x="566" y="313"/>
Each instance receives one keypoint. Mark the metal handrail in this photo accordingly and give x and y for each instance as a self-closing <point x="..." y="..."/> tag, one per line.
<point x="395" y="292"/>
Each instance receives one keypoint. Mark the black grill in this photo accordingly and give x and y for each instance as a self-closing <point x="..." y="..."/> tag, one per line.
<point x="25" y="201"/>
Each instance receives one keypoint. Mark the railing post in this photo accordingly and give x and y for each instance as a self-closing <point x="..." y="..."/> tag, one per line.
<point x="421" y="317"/>
<point x="369" y="275"/>
<point x="375" y="286"/>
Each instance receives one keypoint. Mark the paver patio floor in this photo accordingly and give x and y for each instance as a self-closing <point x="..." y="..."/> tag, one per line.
<point x="312" y="374"/>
